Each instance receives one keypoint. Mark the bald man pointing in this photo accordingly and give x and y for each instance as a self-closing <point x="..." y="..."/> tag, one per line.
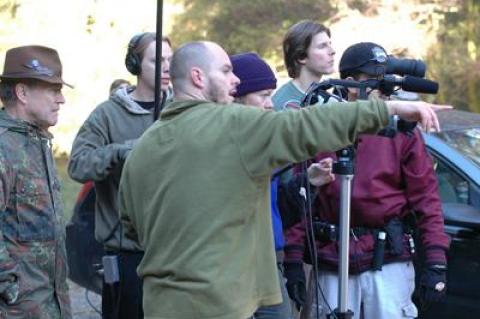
<point x="195" y="189"/>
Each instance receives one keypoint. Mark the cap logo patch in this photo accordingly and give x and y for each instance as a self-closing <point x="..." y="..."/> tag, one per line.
<point x="379" y="55"/>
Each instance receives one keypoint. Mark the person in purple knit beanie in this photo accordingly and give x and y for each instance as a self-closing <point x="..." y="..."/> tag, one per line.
<point x="257" y="82"/>
<point x="255" y="76"/>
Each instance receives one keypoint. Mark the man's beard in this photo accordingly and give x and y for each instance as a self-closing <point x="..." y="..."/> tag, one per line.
<point x="215" y="93"/>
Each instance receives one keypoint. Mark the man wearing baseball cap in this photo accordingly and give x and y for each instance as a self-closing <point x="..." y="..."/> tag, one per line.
<point x="394" y="190"/>
<point x="33" y="267"/>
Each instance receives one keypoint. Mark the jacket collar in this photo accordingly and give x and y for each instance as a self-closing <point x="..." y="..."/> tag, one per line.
<point x="123" y="98"/>
<point x="177" y="107"/>
<point x="20" y="126"/>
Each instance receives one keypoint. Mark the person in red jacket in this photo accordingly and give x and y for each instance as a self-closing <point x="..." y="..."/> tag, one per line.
<point x="394" y="181"/>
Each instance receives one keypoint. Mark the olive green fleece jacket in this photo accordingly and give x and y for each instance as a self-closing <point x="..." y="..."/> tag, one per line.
<point x="195" y="190"/>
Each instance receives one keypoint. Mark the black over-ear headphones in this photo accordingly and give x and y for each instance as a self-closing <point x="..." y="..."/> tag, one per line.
<point x="132" y="60"/>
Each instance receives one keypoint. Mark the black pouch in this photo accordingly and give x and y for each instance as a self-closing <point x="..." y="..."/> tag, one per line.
<point x="325" y="232"/>
<point x="394" y="230"/>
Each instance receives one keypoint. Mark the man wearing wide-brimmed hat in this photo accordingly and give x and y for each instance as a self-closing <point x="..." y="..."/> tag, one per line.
<point x="33" y="267"/>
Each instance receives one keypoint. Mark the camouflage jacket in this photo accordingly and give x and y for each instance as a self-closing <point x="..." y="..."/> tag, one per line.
<point x="32" y="232"/>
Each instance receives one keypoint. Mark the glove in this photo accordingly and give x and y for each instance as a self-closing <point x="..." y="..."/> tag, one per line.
<point x="296" y="287"/>
<point x="433" y="283"/>
<point x="10" y="293"/>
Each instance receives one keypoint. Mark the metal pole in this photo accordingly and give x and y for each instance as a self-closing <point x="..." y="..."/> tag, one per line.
<point x="158" y="59"/>
<point x="344" y="225"/>
<point x="344" y="168"/>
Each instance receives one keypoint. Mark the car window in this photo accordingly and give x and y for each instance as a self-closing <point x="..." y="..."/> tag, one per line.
<point x="452" y="187"/>
<point x="466" y="141"/>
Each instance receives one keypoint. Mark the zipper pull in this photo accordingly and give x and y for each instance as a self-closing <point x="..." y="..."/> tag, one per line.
<point x="353" y="234"/>
<point x="411" y="244"/>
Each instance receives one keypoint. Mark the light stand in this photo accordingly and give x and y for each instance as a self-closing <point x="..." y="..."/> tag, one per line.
<point x="344" y="168"/>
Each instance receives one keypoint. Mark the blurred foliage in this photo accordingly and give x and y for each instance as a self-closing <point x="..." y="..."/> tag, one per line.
<point x="246" y="25"/>
<point x="451" y="33"/>
<point x="91" y="37"/>
<point x="454" y="59"/>
<point x="9" y="8"/>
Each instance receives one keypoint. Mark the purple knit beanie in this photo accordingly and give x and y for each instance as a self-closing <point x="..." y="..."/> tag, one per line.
<point x="254" y="73"/>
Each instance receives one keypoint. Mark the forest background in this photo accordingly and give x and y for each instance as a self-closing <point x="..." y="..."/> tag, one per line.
<point x="92" y="37"/>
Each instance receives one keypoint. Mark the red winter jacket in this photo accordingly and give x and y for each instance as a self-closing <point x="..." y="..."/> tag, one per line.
<point x="393" y="176"/>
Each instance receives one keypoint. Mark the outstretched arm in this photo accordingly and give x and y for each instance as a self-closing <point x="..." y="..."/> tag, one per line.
<point x="417" y="111"/>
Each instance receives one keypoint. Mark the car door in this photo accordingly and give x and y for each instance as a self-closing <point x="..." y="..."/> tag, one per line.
<point x="460" y="195"/>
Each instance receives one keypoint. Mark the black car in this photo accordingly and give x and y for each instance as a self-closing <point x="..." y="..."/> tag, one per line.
<point x="456" y="153"/>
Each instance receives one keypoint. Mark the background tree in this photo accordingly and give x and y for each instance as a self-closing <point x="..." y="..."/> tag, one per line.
<point x="445" y="33"/>
<point x="454" y="59"/>
<point x="92" y="35"/>
<point x="246" y="25"/>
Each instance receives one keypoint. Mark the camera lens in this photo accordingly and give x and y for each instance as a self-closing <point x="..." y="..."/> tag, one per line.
<point x="406" y="67"/>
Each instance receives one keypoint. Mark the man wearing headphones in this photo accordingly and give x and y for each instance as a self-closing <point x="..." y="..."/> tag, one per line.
<point x="98" y="153"/>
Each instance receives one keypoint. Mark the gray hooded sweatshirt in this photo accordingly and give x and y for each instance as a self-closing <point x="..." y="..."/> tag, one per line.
<point x="98" y="153"/>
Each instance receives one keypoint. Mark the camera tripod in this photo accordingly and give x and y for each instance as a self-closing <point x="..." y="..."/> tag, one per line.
<point x="344" y="168"/>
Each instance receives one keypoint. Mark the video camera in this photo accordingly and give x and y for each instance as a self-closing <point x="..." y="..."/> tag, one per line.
<point x="387" y="84"/>
<point x="387" y="74"/>
<point x="411" y="67"/>
<point x="413" y="72"/>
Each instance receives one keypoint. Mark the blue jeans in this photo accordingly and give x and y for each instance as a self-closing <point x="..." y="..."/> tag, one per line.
<point x="280" y="311"/>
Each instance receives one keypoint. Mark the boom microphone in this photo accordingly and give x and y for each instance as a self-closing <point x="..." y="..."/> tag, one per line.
<point x="413" y="84"/>
<point x="419" y="85"/>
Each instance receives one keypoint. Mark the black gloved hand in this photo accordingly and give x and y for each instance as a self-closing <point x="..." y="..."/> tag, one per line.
<point x="9" y="291"/>
<point x="433" y="283"/>
<point x="296" y="287"/>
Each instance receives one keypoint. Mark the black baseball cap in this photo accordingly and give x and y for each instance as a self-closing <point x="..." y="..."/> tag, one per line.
<point x="366" y="57"/>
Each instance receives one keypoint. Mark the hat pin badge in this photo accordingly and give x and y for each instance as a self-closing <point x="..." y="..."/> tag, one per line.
<point x="37" y="67"/>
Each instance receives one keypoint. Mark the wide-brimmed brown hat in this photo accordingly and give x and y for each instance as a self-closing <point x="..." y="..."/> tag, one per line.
<point x="33" y="62"/>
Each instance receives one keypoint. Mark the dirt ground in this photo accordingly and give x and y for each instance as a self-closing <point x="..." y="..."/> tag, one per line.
<point x="80" y="307"/>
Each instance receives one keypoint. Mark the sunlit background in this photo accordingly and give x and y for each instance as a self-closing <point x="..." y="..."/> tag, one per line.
<point x="92" y="36"/>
